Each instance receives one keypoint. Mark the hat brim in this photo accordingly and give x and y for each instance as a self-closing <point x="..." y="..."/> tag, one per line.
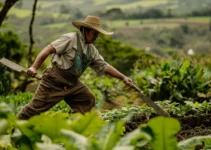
<point x="78" y="24"/>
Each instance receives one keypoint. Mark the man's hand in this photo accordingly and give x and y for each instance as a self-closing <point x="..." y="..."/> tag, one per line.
<point x="128" y="81"/>
<point x="31" y="72"/>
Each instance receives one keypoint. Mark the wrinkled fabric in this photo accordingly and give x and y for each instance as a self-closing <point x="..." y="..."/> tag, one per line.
<point x="81" y="61"/>
<point x="53" y="88"/>
<point x="66" y="48"/>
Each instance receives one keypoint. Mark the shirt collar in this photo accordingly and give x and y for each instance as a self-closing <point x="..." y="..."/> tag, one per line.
<point x="81" y="36"/>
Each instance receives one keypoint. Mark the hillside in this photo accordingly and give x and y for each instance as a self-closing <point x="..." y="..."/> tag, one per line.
<point x="50" y="22"/>
<point x="90" y="6"/>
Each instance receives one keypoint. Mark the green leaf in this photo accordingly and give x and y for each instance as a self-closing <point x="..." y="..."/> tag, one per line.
<point x="79" y="141"/>
<point x="184" y="67"/>
<point x="50" y="125"/>
<point x="199" y="74"/>
<point x="3" y="126"/>
<point x="164" y="130"/>
<point x="113" y="136"/>
<point x="87" y="124"/>
<point x="124" y="148"/>
<point x="5" y="142"/>
<point x="26" y="130"/>
<point x="204" y="84"/>
<point x="44" y="146"/>
<point x="134" y="138"/>
<point x="191" y="143"/>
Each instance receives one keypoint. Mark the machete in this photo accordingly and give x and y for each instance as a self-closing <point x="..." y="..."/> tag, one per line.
<point x="15" y="66"/>
<point x="150" y="103"/>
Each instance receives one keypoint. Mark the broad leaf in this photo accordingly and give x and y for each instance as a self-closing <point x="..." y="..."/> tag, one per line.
<point x="44" y="146"/>
<point x="77" y="140"/>
<point x="87" y="124"/>
<point x="3" y="126"/>
<point x="50" y="125"/>
<point x="164" y="130"/>
<point x="124" y="148"/>
<point x="191" y="143"/>
<point x="113" y="134"/>
<point x="135" y="138"/>
<point x="184" y="67"/>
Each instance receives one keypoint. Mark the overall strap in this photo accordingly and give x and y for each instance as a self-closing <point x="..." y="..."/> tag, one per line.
<point x="79" y="47"/>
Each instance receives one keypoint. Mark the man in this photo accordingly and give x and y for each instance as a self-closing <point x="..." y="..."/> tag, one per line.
<point x="72" y="54"/>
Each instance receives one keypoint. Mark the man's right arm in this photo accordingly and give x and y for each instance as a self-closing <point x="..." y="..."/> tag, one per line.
<point x="32" y="71"/>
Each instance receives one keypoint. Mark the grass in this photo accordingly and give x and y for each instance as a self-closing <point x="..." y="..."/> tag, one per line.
<point x="21" y="13"/>
<point x="142" y="22"/>
<point x="55" y="25"/>
<point x="46" y="4"/>
<point x="102" y="2"/>
<point x="57" y="15"/>
<point x="144" y="3"/>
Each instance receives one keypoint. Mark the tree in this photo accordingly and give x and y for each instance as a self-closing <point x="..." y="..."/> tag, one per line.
<point x="169" y="13"/>
<point x="64" y="9"/>
<point x="19" y="4"/>
<point x="6" y="51"/>
<point x="115" y="13"/>
<point x="31" y="34"/>
<point x="7" y="5"/>
<point x="12" y="48"/>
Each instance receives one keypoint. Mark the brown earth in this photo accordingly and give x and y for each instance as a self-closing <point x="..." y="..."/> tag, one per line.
<point x="192" y="125"/>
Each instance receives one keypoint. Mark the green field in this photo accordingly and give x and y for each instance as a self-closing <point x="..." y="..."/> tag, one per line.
<point x="150" y="23"/>
<point x="145" y="3"/>
<point x="142" y="22"/>
<point x="56" y="25"/>
<point x="21" y="13"/>
<point x="178" y="6"/>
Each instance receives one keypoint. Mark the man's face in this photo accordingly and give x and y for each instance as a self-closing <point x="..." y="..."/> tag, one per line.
<point x="91" y="36"/>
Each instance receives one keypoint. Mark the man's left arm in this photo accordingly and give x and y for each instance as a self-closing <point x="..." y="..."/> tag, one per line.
<point x="113" y="72"/>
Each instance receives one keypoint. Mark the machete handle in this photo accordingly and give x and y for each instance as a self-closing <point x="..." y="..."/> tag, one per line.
<point x="38" y="77"/>
<point x="136" y="88"/>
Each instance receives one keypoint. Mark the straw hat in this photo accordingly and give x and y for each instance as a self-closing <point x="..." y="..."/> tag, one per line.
<point x="93" y="23"/>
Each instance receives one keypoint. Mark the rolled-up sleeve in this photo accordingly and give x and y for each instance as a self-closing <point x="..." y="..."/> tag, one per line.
<point x="98" y="64"/>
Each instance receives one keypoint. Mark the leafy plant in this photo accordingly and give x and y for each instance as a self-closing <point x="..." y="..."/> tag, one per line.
<point x="180" y="81"/>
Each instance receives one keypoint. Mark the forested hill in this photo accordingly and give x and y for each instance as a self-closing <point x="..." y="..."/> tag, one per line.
<point x="89" y="6"/>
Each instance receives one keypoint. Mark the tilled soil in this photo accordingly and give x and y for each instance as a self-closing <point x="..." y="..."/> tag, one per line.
<point x="191" y="125"/>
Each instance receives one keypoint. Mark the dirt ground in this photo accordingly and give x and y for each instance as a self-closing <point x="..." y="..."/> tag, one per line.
<point x="192" y="125"/>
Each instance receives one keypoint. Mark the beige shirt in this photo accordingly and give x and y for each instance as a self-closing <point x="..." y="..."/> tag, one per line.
<point x="66" y="47"/>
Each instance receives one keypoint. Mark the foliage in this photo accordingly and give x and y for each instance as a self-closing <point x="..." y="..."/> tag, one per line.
<point x="88" y="132"/>
<point x="1" y="4"/>
<point x="194" y="141"/>
<point x="180" y="81"/>
<point x="18" y="100"/>
<point x="11" y="48"/>
<point x="129" y="113"/>
<point x="164" y="130"/>
<point x="5" y="81"/>
<point x="121" y="56"/>
<point x="103" y="87"/>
